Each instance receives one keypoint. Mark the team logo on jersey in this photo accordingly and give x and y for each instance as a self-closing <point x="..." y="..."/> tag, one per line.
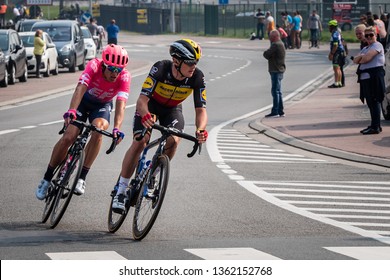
<point x="154" y="70"/>
<point x="148" y="84"/>
<point x="203" y="94"/>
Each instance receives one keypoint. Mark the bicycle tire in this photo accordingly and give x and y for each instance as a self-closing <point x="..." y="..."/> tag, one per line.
<point x="51" y="194"/>
<point x="65" y="192"/>
<point x="115" y="220"/>
<point x="147" y="209"/>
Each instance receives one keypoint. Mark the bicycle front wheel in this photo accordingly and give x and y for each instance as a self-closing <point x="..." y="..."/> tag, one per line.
<point x="66" y="187"/>
<point x="115" y="218"/>
<point x="51" y="194"/>
<point x="150" y="198"/>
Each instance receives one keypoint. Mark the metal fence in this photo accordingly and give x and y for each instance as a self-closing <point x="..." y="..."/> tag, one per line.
<point x="222" y="20"/>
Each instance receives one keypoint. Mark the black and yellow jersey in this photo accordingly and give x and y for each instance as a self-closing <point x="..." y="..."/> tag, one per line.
<point x="161" y="86"/>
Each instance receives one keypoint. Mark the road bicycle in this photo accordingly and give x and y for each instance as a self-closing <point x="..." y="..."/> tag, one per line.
<point x="67" y="173"/>
<point x="147" y="189"/>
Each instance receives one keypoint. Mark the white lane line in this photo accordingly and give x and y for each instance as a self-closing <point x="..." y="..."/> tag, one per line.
<point x="231" y="254"/>
<point x="363" y="253"/>
<point x="8" y="131"/>
<point x="94" y="255"/>
<point x="44" y="124"/>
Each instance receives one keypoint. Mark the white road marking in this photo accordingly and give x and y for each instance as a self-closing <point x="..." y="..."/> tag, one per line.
<point x="231" y="254"/>
<point x="93" y="255"/>
<point x="363" y="253"/>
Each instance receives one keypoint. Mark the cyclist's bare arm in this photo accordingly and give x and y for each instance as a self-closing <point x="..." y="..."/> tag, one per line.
<point x="76" y="99"/>
<point x="142" y="109"/>
<point x="120" y="106"/>
<point x="77" y="96"/>
<point x="201" y="119"/>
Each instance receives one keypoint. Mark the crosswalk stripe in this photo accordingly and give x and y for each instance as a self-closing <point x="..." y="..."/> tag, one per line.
<point x="363" y="253"/>
<point x="93" y="255"/>
<point x="231" y="254"/>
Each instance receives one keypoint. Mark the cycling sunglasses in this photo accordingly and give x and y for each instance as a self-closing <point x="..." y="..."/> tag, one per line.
<point x="190" y="62"/>
<point x="369" y="35"/>
<point x="114" y="69"/>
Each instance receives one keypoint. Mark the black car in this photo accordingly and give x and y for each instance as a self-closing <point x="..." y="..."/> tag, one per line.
<point x="69" y="41"/>
<point x="15" y="55"/>
<point x="3" y="70"/>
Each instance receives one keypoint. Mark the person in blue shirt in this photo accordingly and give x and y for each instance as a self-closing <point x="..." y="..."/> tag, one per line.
<point x="296" y="30"/>
<point x="112" y="33"/>
<point x="336" y="53"/>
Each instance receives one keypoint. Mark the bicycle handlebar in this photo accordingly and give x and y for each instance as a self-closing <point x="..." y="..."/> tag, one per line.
<point x="176" y="132"/>
<point x="94" y="128"/>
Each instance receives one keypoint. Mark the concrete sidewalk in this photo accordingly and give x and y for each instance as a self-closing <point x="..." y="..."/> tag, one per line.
<point x="328" y="121"/>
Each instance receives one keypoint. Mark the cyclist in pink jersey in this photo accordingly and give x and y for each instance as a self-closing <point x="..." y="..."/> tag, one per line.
<point x="101" y="81"/>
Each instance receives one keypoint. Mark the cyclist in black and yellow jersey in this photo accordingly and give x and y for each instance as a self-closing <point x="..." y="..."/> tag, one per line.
<point x="168" y="84"/>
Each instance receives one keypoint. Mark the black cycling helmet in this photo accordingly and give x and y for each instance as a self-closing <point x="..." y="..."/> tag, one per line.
<point x="185" y="49"/>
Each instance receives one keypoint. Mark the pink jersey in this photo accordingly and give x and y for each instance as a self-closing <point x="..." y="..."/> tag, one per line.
<point x="101" y="90"/>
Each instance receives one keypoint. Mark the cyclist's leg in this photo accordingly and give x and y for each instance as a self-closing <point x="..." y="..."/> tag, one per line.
<point x="93" y="147"/>
<point x="172" y="118"/>
<point x="61" y="147"/>
<point x="99" y="116"/>
<point x="131" y="157"/>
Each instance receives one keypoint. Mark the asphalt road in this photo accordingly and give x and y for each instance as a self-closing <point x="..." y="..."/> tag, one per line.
<point x="223" y="202"/>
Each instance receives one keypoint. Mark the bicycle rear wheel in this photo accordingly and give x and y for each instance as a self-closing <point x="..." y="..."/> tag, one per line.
<point x="51" y="194"/>
<point x="115" y="219"/>
<point x="66" y="187"/>
<point x="148" y="205"/>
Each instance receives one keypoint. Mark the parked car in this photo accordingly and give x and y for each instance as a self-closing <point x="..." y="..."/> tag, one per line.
<point x="90" y="46"/>
<point x="3" y="70"/>
<point x="68" y="38"/>
<point x="25" y="24"/>
<point x="386" y="101"/>
<point x="49" y="63"/>
<point x="15" y="55"/>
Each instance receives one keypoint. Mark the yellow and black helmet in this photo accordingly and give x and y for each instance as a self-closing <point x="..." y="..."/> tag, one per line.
<point x="185" y="49"/>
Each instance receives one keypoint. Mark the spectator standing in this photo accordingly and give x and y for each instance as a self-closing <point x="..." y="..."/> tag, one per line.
<point x="335" y="53"/>
<point x="283" y="35"/>
<point x="371" y="60"/>
<point x="92" y="27"/>
<point x="16" y="13"/>
<point x="39" y="49"/>
<point x="295" y="31"/>
<point x="382" y="33"/>
<point x="112" y="33"/>
<point x="260" y="24"/>
<point x="359" y="33"/>
<point x="102" y="35"/>
<point x="270" y="22"/>
<point x="315" y="27"/>
<point x="276" y="67"/>
<point x="3" y="11"/>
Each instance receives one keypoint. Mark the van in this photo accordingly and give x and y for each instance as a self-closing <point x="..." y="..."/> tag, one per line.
<point x="69" y="41"/>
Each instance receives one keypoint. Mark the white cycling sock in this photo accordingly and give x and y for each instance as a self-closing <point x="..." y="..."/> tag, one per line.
<point x="123" y="183"/>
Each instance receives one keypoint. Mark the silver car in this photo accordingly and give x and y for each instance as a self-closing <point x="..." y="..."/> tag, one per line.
<point x="49" y="63"/>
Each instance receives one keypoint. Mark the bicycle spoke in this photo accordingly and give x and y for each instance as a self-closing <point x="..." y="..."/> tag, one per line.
<point x="67" y="184"/>
<point x="150" y="201"/>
